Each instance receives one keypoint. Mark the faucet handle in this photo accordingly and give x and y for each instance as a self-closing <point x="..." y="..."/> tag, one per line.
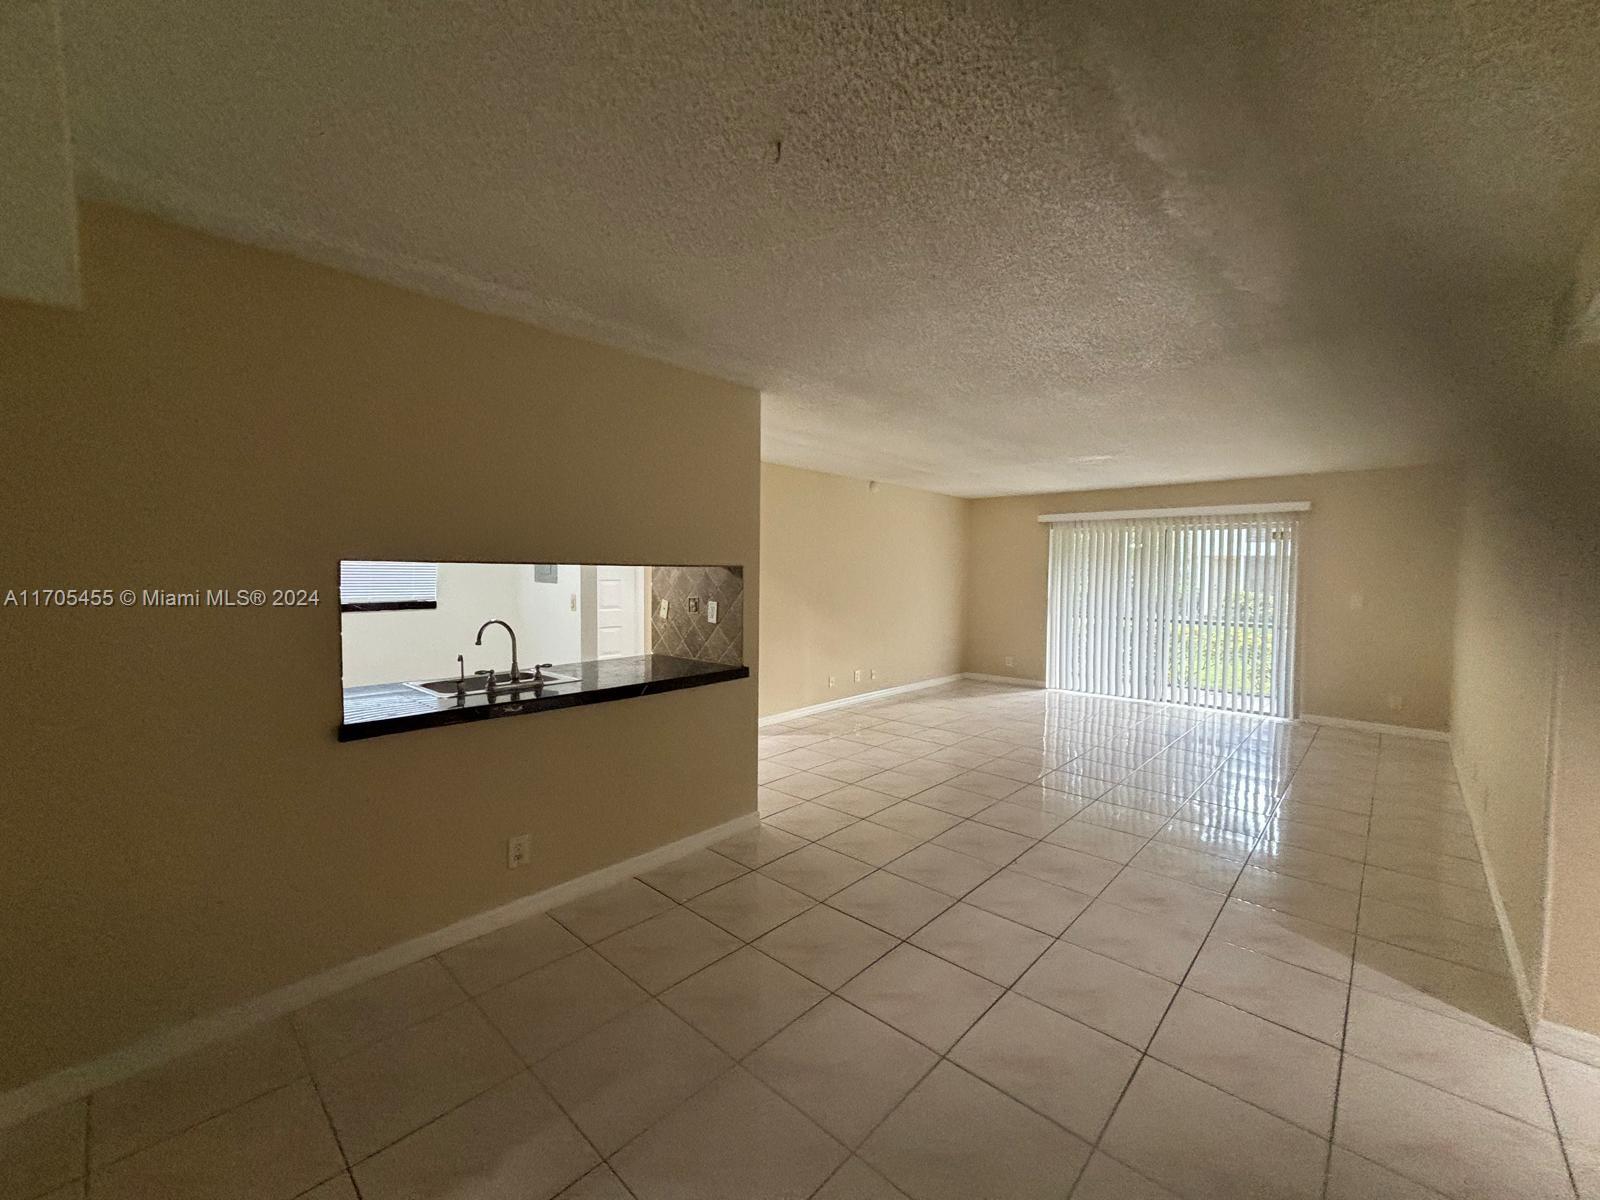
<point x="538" y="670"/>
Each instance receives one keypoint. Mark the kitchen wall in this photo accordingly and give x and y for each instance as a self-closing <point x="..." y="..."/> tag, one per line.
<point x="182" y="831"/>
<point x="412" y="644"/>
<point x="1377" y="584"/>
<point x="856" y="579"/>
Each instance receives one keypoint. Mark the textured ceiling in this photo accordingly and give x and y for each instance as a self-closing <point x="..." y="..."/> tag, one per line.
<point x="984" y="249"/>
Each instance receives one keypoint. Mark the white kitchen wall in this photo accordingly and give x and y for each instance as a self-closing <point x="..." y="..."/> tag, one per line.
<point x="413" y="644"/>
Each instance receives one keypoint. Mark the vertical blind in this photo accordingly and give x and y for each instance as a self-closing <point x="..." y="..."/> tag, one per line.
<point x="1190" y="609"/>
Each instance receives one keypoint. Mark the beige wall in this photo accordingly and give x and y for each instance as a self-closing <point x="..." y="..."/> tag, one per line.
<point x="1572" y="968"/>
<point x="853" y="579"/>
<point x="180" y="828"/>
<point x="1376" y="584"/>
<point x="1507" y="625"/>
<point x="1527" y="678"/>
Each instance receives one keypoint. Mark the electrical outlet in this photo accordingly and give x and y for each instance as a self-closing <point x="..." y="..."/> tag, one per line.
<point x="872" y="674"/>
<point x="661" y="609"/>
<point x="694" y="604"/>
<point x="830" y="680"/>
<point x="519" y="850"/>
<point x="711" y="612"/>
<point x="1011" y="660"/>
<point x="858" y="675"/>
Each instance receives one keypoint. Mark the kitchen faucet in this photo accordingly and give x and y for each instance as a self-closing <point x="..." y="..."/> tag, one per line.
<point x="515" y="672"/>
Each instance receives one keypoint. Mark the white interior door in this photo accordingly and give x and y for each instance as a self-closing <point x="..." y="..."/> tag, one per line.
<point x="619" y="611"/>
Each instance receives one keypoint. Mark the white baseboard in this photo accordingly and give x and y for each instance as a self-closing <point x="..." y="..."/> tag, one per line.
<point x="1011" y="679"/>
<point x="1433" y="735"/>
<point x="812" y="710"/>
<point x="75" y="1082"/>
<point x="1577" y="1044"/>
<point x="1527" y="996"/>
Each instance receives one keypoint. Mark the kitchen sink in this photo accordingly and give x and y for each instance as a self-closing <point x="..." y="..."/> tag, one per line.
<point x="502" y="683"/>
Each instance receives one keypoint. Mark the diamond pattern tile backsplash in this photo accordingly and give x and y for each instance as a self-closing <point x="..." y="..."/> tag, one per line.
<point x="686" y="634"/>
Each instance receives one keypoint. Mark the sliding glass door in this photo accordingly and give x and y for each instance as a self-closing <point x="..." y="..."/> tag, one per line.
<point x="1191" y="609"/>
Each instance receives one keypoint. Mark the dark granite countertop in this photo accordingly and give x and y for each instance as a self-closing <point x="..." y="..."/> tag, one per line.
<point x="395" y="708"/>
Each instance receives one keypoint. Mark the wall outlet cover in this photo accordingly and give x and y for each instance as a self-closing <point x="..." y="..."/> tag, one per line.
<point x="711" y="612"/>
<point x="694" y="604"/>
<point x="519" y="850"/>
<point x="661" y="609"/>
<point x="858" y="677"/>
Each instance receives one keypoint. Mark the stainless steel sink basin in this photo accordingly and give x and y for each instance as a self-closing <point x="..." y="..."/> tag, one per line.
<point x="502" y="683"/>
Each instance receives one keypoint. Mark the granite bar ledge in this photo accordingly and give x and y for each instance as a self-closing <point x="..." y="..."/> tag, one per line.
<point x="386" y="708"/>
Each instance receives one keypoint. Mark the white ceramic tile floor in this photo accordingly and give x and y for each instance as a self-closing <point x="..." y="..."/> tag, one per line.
<point x="988" y="942"/>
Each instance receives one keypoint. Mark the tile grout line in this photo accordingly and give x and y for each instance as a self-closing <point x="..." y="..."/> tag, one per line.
<point x="1032" y="842"/>
<point x="307" y="1075"/>
<point x="1555" y="1121"/>
<point x="526" y="1068"/>
<point x="1350" y="985"/>
<point x="1094" y="1146"/>
<point x="960" y="899"/>
<point x="316" y="1090"/>
<point x="942" y="1057"/>
<point x="1144" y="1053"/>
<point x="1397" y="1171"/>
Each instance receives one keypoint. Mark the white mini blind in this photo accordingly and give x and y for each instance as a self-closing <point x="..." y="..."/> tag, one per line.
<point x="371" y="583"/>
<point x="1189" y="609"/>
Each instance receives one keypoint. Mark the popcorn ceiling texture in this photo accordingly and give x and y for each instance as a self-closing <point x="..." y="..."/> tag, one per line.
<point x="689" y="634"/>
<point x="959" y="247"/>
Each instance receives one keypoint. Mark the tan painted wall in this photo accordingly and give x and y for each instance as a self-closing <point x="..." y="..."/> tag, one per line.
<point x="1572" y="970"/>
<point x="1385" y="536"/>
<point x="1527" y="676"/>
<point x="855" y="578"/>
<point x="180" y="828"/>
<point x="1507" y="633"/>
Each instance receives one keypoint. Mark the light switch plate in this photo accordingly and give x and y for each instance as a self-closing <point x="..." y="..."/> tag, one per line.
<point x="662" y="609"/>
<point x="711" y="612"/>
